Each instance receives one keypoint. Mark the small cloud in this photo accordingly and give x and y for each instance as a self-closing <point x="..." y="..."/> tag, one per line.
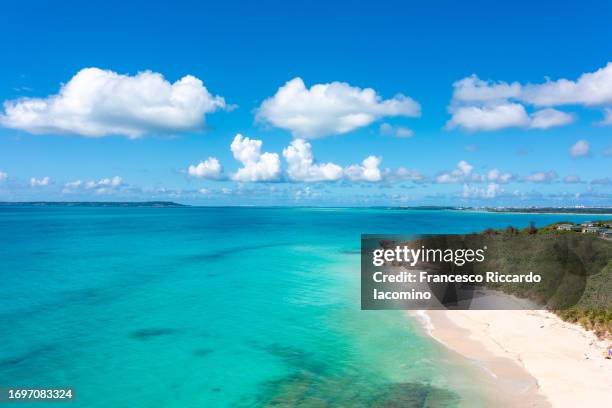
<point x="101" y="186"/>
<point x="542" y="177"/>
<point x="404" y="174"/>
<point x="257" y="166"/>
<point x="72" y="185"/>
<point x="580" y="148"/>
<point x="471" y="148"/>
<point x="367" y="171"/>
<point x="572" y="179"/>
<point x="208" y="169"/>
<point x="489" y="117"/>
<point x="503" y="115"/>
<point x="473" y="89"/>
<point x="34" y="182"/>
<point x="491" y="191"/>
<point x="305" y="193"/>
<point x="602" y="181"/>
<point x="459" y="174"/>
<point x="386" y="129"/>
<point x="607" y="119"/>
<point x="499" y="177"/>
<point x="301" y="165"/>
<point x="608" y="152"/>
<point x="548" y="118"/>
<point x="464" y="173"/>
<point x="3" y="176"/>
<point x="104" y="182"/>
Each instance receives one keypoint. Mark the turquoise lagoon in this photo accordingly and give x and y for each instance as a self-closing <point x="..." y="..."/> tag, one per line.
<point x="219" y="307"/>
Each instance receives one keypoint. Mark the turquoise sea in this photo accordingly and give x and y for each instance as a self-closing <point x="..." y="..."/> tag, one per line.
<point x="219" y="307"/>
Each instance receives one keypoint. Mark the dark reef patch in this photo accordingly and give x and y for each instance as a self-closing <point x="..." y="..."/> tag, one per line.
<point x="202" y="352"/>
<point x="296" y="358"/>
<point x="308" y="390"/>
<point x="25" y="357"/>
<point x="230" y="252"/>
<point x="312" y="383"/>
<point x="145" y="334"/>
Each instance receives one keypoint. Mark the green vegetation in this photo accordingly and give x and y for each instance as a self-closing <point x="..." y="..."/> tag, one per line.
<point x="576" y="271"/>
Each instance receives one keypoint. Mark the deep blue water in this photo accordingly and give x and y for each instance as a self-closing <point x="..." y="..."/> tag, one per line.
<point x="217" y="307"/>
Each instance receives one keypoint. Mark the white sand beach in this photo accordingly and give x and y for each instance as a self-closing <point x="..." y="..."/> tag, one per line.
<point x="534" y="357"/>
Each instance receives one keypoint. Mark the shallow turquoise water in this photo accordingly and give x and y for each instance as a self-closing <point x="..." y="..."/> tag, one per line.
<point x="217" y="307"/>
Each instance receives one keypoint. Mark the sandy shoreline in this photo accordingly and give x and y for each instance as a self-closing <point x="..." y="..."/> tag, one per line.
<point x="533" y="357"/>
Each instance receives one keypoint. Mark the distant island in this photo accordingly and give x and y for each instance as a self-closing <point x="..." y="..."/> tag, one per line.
<point x="535" y="210"/>
<point x="156" y="204"/>
<point x="556" y="210"/>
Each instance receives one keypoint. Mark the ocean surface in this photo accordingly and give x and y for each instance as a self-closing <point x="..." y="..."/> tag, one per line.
<point x="219" y="307"/>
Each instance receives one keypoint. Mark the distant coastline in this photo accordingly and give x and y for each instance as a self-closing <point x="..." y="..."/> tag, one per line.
<point x="516" y="210"/>
<point x="163" y="204"/>
<point x="522" y="210"/>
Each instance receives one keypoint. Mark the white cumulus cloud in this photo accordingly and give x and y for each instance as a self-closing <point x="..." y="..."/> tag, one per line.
<point x="97" y="102"/>
<point x="548" y="118"/>
<point x="499" y="176"/>
<point x="464" y="173"/>
<point x="257" y="166"/>
<point x="474" y="89"/>
<point x="301" y="165"/>
<point x="489" y="117"/>
<point x="328" y="109"/>
<point x="41" y="182"/>
<point x="368" y="170"/>
<point x="3" y="176"/>
<point x="208" y="169"/>
<point x="479" y="105"/>
<point x="580" y="148"/>
<point x="591" y="88"/>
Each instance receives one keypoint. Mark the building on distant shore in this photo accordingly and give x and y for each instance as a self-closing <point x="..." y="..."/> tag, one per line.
<point x="591" y="230"/>
<point x="605" y="233"/>
<point x="569" y="227"/>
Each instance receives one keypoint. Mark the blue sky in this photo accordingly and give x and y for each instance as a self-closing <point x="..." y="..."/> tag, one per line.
<point x="504" y="136"/>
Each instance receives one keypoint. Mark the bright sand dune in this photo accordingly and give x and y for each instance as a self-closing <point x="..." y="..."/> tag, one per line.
<point x="529" y="353"/>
